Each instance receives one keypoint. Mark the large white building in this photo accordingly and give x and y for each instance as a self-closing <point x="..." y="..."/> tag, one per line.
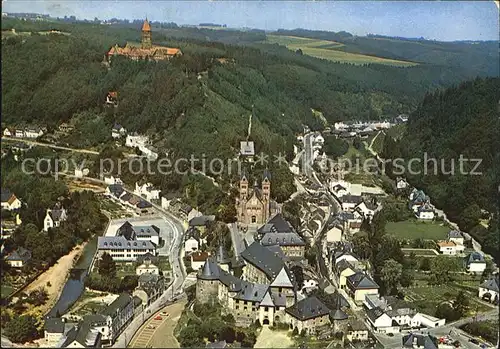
<point x="124" y="250"/>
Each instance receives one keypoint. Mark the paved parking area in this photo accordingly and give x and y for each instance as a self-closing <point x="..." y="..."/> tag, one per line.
<point x="166" y="229"/>
<point x="159" y="333"/>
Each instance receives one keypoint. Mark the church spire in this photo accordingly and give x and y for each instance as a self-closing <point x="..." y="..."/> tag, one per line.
<point x="146" y="41"/>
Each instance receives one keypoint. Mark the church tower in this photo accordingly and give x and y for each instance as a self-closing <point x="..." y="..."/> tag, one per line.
<point x="146" y="35"/>
<point x="243" y="187"/>
<point x="266" y="195"/>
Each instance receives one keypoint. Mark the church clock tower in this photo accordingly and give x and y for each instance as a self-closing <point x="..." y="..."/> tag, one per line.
<point x="146" y="35"/>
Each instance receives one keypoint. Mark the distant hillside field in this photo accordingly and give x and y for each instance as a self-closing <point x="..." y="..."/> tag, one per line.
<point x="325" y="49"/>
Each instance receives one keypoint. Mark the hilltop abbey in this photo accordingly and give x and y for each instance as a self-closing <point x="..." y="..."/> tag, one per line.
<point x="147" y="51"/>
<point x="254" y="206"/>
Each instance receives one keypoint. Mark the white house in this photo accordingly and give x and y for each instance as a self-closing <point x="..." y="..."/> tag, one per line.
<point x="80" y="173"/>
<point x="198" y="259"/>
<point x="428" y="321"/>
<point x="112" y="180"/>
<point x="425" y="212"/>
<point x="334" y="234"/>
<point x="20" y="134"/>
<point x="381" y="322"/>
<point x="118" y="131"/>
<point x="191" y="245"/>
<point x="136" y="140"/>
<point x="147" y="191"/>
<point x="401" y="183"/>
<point x="147" y="267"/>
<point x="149" y="151"/>
<point x="450" y="247"/>
<point x="344" y="256"/>
<point x="475" y="263"/>
<point x="18" y="258"/>
<point x="53" y="329"/>
<point x="349" y="202"/>
<point x="54" y="217"/>
<point x="489" y="290"/>
<point x="33" y="133"/>
<point x="9" y="200"/>
<point x="9" y="132"/>
<point x="339" y="190"/>
<point x="456" y="236"/>
<point x="366" y="209"/>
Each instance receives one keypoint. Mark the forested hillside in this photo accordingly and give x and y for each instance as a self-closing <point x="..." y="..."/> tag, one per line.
<point x="198" y="103"/>
<point x="460" y="121"/>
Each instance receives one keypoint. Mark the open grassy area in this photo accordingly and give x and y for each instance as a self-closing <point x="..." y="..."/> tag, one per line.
<point x="6" y="290"/>
<point x="325" y="49"/>
<point x="427" y="298"/>
<point x="417" y="229"/>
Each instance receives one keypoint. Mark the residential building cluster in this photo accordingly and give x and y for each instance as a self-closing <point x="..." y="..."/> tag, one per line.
<point x="117" y="193"/>
<point x="29" y="132"/>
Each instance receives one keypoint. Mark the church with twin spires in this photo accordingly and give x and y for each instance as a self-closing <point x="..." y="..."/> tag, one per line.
<point x="147" y="51"/>
<point x="254" y="205"/>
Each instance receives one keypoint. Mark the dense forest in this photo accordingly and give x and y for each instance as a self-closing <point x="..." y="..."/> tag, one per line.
<point x="462" y="121"/>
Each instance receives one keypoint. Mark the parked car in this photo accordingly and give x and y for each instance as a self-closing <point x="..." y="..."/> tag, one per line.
<point x="158" y="317"/>
<point x="474" y="340"/>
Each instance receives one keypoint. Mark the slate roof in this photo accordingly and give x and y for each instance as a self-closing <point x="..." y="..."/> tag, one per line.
<point x="144" y="204"/>
<point x="361" y="281"/>
<point x="474" y="257"/>
<point x="210" y="270"/>
<point x="200" y="221"/>
<point x="263" y="259"/>
<point x="283" y="279"/>
<point x="355" y="199"/>
<point x="374" y="313"/>
<point x="147" y="256"/>
<point x="338" y="314"/>
<point x="339" y="300"/>
<point x="149" y="283"/>
<point x="251" y="292"/>
<point x="116" y="189"/>
<point x="492" y="284"/>
<point x="146" y="230"/>
<point x="118" y="304"/>
<point x="308" y="308"/>
<point x="454" y="234"/>
<point x="54" y="325"/>
<point x="6" y="195"/>
<point x="83" y="334"/>
<point x="127" y="231"/>
<point x="343" y="265"/>
<point x="420" y="340"/>
<point x="277" y="224"/>
<point x="282" y="239"/>
<point x="119" y="242"/>
<point x="20" y="254"/>
<point x="222" y="256"/>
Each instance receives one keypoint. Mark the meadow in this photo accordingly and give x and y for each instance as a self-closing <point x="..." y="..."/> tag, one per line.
<point x="325" y="49"/>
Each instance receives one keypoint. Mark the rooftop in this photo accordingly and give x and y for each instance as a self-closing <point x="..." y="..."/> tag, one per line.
<point x="308" y="308"/>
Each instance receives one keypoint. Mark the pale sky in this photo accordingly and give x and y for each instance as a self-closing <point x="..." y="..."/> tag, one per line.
<point x="439" y="20"/>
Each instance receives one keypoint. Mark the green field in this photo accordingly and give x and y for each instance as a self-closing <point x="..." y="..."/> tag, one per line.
<point x="6" y="290"/>
<point x="427" y="298"/>
<point x="416" y="229"/>
<point x="328" y="50"/>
